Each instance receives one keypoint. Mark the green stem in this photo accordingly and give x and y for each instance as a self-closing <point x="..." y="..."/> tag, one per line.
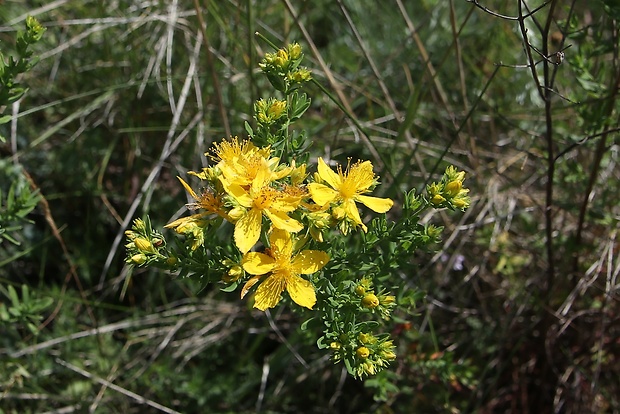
<point x="269" y="42"/>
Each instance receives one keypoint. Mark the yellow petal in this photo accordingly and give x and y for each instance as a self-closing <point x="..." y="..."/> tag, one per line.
<point x="322" y="194"/>
<point x="283" y="222"/>
<point x="262" y="178"/>
<point x="328" y="174"/>
<point x="228" y="172"/>
<point x="238" y="193"/>
<point x="269" y="291"/>
<point x="257" y="263"/>
<point x="280" y="241"/>
<point x="247" y="230"/>
<point x="202" y="175"/>
<point x="184" y="220"/>
<point x="309" y="261"/>
<point x="285" y="203"/>
<point x="379" y="205"/>
<point x="188" y="189"/>
<point x="248" y="285"/>
<point x="351" y="211"/>
<point x="301" y="291"/>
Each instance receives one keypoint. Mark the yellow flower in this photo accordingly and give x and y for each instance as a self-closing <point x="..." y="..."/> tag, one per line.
<point x="243" y="163"/>
<point x="195" y="224"/>
<point x="347" y="188"/>
<point x="283" y="269"/>
<point x="206" y="201"/>
<point x="261" y="199"/>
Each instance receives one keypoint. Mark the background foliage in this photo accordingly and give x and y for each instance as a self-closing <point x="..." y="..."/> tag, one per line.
<point x="521" y="313"/>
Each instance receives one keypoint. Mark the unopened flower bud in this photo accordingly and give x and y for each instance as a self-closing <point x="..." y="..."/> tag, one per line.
<point x="233" y="274"/>
<point x="236" y="213"/>
<point x="143" y="245"/>
<point x="300" y="75"/>
<point x="139" y="224"/>
<point x="281" y="59"/>
<point x="453" y="188"/>
<point x="339" y="213"/>
<point x="366" y="338"/>
<point x="461" y="202"/>
<point x="138" y="258"/>
<point x="389" y="355"/>
<point x="294" y="50"/>
<point x="437" y="199"/>
<point x="362" y="352"/>
<point x="276" y="109"/>
<point x="386" y="300"/>
<point x="370" y="301"/>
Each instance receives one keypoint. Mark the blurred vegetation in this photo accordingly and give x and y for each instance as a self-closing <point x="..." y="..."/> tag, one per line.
<point x="522" y="305"/>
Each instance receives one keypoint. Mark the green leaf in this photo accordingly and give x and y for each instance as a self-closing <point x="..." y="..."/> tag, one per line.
<point x="13" y="296"/>
<point x="230" y="288"/>
<point x="299" y="105"/>
<point x="248" y="129"/>
<point x="4" y="315"/>
<point x="41" y="304"/>
<point x="304" y="325"/>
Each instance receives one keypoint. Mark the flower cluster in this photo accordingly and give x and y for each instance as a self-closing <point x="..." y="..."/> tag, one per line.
<point x="449" y="192"/>
<point x="283" y="70"/>
<point x="262" y="197"/>
<point x="370" y="353"/>
<point x="146" y="246"/>
<point x="374" y="301"/>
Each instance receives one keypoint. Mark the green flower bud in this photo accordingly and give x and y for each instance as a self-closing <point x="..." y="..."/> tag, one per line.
<point x="366" y="338"/>
<point x="138" y="258"/>
<point x="294" y="50"/>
